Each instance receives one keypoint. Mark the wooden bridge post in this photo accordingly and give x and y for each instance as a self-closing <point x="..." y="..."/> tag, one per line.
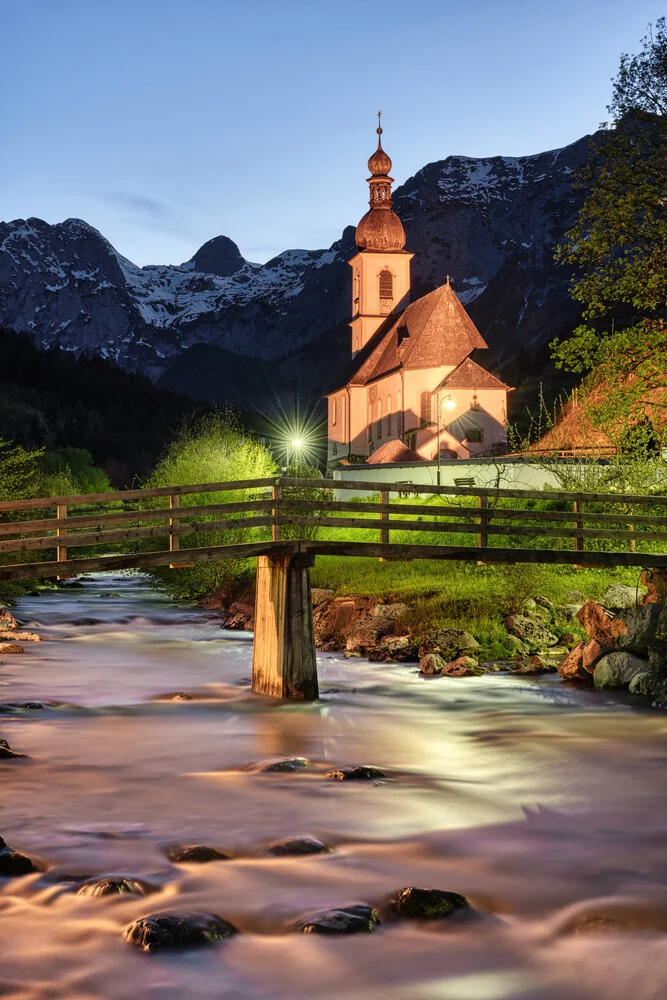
<point x="275" y="510"/>
<point x="283" y="660"/>
<point x="61" y="550"/>
<point x="174" y="502"/>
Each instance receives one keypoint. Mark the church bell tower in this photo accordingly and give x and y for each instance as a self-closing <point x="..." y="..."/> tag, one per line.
<point x="381" y="269"/>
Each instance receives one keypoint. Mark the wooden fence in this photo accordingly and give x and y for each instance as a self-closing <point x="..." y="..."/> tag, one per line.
<point x="265" y="516"/>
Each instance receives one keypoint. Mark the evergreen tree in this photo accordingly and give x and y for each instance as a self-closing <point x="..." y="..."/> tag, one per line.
<point x="618" y="249"/>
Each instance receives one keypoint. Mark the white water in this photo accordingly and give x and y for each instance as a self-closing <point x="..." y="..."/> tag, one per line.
<point x="538" y="802"/>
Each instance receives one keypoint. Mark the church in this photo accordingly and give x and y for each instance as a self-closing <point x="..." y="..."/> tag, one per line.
<point x="412" y="390"/>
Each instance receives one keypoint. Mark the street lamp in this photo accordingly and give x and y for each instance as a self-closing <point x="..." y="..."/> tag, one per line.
<point x="297" y="444"/>
<point x="448" y="404"/>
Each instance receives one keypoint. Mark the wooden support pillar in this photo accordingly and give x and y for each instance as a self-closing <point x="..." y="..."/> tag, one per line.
<point x="61" y="550"/>
<point x="283" y="660"/>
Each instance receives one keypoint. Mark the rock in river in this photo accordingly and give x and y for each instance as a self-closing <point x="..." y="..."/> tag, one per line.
<point x="177" y="930"/>
<point x="635" y="628"/>
<point x="534" y="633"/>
<point x="112" y="887"/>
<point x="287" y="765"/>
<point x="413" y="903"/>
<point x="297" y="846"/>
<point x="343" y="920"/>
<point x="363" y="772"/>
<point x="196" y="853"/>
<point x="13" y="863"/>
<point x="617" y="670"/>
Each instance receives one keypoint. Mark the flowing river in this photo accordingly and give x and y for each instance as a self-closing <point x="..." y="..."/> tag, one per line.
<point x="544" y="805"/>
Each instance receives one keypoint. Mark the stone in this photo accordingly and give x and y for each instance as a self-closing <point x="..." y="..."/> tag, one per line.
<point x="448" y="643"/>
<point x="241" y="615"/>
<point x="344" y="920"/>
<point x="567" y="611"/>
<point x="462" y="666"/>
<point x="363" y="772"/>
<point x="618" y="596"/>
<point x="319" y="595"/>
<point x="177" y="930"/>
<point x="112" y="887"/>
<point x="431" y="664"/>
<point x="414" y="903"/>
<point x="20" y="637"/>
<point x="536" y="665"/>
<point x="365" y="633"/>
<point x="196" y="854"/>
<point x="518" y="647"/>
<point x="296" y="846"/>
<point x="655" y="581"/>
<point x="544" y="602"/>
<point x="11" y="647"/>
<point x="394" y="649"/>
<point x="635" y="628"/>
<point x="596" y="621"/>
<point x="572" y="668"/>
<point x="6" y="752"/>
<point x="336" y="619"/>
<point x="617" y="670"/>
<point x="288" y="765"/>
<point x="569" y="640"/>
<point x="593" y="653"/>
<point x="12" y="863"/>
<point x="574" y="597"/>
<point x="33" y="706"/>
<point x="647" y="683"/>
<point x="534" y="633"/>
<point x="7" y="621"/>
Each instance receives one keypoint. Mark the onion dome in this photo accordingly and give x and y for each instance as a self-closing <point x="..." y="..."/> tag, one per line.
<point x="380" y="229"/>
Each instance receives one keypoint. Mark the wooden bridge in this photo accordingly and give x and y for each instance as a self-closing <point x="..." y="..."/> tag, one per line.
<point x="284" y="523"/>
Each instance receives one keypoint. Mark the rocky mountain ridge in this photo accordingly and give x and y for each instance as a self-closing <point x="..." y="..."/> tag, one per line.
<point x="491" y="223"/>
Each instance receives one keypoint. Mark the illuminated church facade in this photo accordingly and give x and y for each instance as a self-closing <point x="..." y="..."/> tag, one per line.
<point x="412" y="389"/>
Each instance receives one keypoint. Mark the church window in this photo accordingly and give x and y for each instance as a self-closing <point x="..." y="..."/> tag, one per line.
<point x="343" y="418"/>
<point x="378" y="424"/>
<point x="425" y="407"/>
<point x="475" y="435"/>
<point x="369" y="422"/>
<point x="388" y="420"/>
<point x="333" y="411"/>
<point x="400" y="423"/>
<point x="386" y="284"/>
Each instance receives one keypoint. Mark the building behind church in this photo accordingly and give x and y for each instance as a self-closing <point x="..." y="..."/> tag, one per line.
<point x="413" y="389"/>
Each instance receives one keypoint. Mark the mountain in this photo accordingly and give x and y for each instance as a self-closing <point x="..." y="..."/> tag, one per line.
<point x="490" y="223"/>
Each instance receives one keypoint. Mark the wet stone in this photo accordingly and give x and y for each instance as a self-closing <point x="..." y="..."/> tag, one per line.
<point x="364" y="772"/>
<point x="112" y="887"/>
<point x="413" y="903"/>
<point x="177" y="930"/>
<point x="196" y="853"/>
<point x="13" y="863"/>
<point x="6" y="752"/>
<point x="344" y="920"/>
<point x="286" y="766"/>
<point x="33" y="706"/>
<point x="297" y="846"/>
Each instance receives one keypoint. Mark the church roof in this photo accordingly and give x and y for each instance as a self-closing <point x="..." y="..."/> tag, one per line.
<point x="470" y="375"/>
<point x="435" y="331"/>
<point x="393" y="452"/>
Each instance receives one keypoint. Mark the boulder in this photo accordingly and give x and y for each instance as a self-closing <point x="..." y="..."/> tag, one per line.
<point x="518" y="647"/>
<point x="11" y="647"/>
<point x="20" y="637"/>
<point x="618" y="596"/>
<point x="617" y="670"/>
<point x="335" y="619"/>
<point x="462" y="666"/>
<point x="635" y="628"/>
<point x="574" y="597"/>
<point x="572" y="668"/>
<point x="534" y="633"/>
<point x="544" y="602"/>
<point x="430" y="664"/>
<point x="6" y="752"/>
<point x="394" y="649"/>
<point x="364" y="634"/>
<point x="567" y="611"/>
<point x="536" y="665"/>
<point x="648" y="684"/>
<point x="241" y="614"/>
<point x="414" y="903"/>
<point x="344" y="920"/>
<point x="296" y="846"/>
<point x="596" y="621"/>
<point x="112" y="887"/>
<point x="177" y="930"/>
<point x="287" y="765"/>
<point x="593" y="652"/>
<point x="318" y="595"/>
<point x="12" y="863"/>
<point x="655" y="581"/>
<point x="221" y="599"/>
<point x="363" y="772"/>
<point x="7" y="621"/>
<point x="195" y="854"/>
<point x="448" y="643"/>
<point x="569" y="640"/>
<point x="657" y="658"/>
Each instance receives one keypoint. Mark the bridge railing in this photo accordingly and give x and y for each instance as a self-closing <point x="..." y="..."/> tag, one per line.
<point x="146" y="527"/>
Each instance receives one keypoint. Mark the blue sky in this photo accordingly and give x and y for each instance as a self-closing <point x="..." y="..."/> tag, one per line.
<point x="167" y="122"/>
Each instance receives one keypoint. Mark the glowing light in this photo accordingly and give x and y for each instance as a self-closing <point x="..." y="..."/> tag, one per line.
<point x="297" y="443"/>
<point x="449" y="403"/>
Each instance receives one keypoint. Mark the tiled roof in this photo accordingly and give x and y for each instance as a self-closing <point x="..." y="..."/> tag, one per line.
<point x="433" y="332"/>
<point x="393" y="452"/>
<point x="470" y="375"/>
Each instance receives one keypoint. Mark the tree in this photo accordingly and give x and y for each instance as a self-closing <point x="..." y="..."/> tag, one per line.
<point x="618" y="249"/>
<point x="19" y="471"/>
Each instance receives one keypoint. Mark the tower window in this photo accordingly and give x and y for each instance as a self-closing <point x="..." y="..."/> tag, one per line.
<point x="425" y="408"/>
<point x="386" y="284"/>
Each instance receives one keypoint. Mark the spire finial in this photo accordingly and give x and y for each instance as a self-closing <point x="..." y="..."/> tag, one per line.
<point x="379" y="128"/>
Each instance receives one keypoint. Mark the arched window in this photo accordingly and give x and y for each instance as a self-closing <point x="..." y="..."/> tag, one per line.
<point x="425" y="407"/>
<point x="333" y="411"/>
<point x="343" y="419"/>
<point x="378" y="423"/>
<point x="386" y="284"/>
<point x="388" y="420"/>
<point x="369" y="423"/>
<point x="400" y="423"/>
